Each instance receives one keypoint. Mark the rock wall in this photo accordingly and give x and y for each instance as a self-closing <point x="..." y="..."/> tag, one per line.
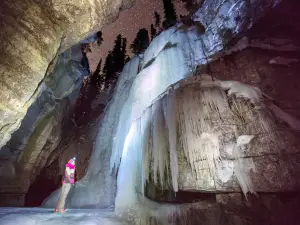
<point x="33" y="33"/>
<point x="42" y="128"/>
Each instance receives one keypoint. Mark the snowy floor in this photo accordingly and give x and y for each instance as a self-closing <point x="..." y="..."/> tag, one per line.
<point x="42" y="216"/>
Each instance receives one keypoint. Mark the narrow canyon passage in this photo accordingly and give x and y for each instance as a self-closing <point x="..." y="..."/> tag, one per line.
<point x="199" y="124"/>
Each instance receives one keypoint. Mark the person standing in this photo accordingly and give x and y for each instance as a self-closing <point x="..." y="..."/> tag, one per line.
<point x="67" y="182"/>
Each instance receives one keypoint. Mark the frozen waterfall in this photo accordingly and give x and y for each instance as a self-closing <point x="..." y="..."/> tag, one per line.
<point x="130" y="119"/>
<point x="198" y="118"/>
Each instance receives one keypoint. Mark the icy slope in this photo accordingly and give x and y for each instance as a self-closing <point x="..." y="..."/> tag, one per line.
<point x="41" y="216"/>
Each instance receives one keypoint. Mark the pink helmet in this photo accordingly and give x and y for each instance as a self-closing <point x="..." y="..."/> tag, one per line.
<point x="72" y="161"/>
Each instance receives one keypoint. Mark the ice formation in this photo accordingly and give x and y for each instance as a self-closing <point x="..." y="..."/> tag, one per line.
<point x="243" y="166"/>
<point x="197" y="117"/>
<point x="146" y="123"/>
<point x="242" y="90"/>
<point x="170" y="108"/>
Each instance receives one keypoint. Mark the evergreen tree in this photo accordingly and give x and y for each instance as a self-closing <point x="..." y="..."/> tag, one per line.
<point x="85" y="62"/>
<point x="141" y="42"/>
<point x="192" y="5"/>
<point x="98" y="69"/>
<point x="114" y="61"/>
<point x="118" y="58"/>
<point x="99" y="38"/>
<point x="97" y="78"/>
<point x="157" y="19"/>
<point x="153" y="32"/>
<point x="170" y="14"/>
<point x="127" y="59"/>
<point x="124" y="46"/>
<point x="108" y="68"/>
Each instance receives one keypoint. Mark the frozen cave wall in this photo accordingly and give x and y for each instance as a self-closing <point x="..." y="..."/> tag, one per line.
<point x="213" y="134"/>
<point x="41" y="130"/>
<point x="171" y="57"/>
<point x="33" y="33"/>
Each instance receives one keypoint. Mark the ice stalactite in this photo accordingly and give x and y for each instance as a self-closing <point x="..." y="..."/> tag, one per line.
<point x="159" y="144"/>
<point x="200" y="119"/>
<point x="146" y="132"/>
<point x="198" y="112"/>
<point x="170" y="109"/>
<point x="128" y="171"/>
<point x="242" y="165"/>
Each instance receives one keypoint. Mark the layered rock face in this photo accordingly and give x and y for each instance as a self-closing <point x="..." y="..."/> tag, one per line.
<point x="33" y="33"/>
<point x="42" y="129"/>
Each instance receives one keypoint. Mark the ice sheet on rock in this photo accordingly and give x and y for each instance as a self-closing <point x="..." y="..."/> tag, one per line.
<point x="41" y="216"/>
<point x="186" y="42"/>
<point x="157" y="45"/>
<point x="148" y="85"/>
<point x="219" y="18"/>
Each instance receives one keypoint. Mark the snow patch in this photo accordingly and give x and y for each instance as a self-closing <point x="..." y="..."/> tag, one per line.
<point x="225" y="170"/>
<point x="283" y="61"/>
<point x="243" y="166"/>
<point x="242" y="90"/>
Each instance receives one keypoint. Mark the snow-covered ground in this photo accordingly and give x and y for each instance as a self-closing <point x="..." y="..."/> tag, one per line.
<point x="43" y="216"/>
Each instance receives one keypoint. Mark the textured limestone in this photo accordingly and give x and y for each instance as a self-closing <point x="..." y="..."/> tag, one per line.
<point x="32" y="33"/>
<point x="40" y="132"/>
<point x="277" y="165"/>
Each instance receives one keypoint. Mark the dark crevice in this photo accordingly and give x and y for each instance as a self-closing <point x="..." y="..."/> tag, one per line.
<point x="45" y="183"/>
<point x="168" y="196"/>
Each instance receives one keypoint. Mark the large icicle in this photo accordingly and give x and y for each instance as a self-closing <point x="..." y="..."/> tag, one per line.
<point x="128" y="171"/>
<point x="170" y="112"/>
<point x="159" y="144"/>
<point x="243" y="166"/>
<point x="198" y="114"/>
<point x="145" y="145"/>
<point x="198" y="117"/>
